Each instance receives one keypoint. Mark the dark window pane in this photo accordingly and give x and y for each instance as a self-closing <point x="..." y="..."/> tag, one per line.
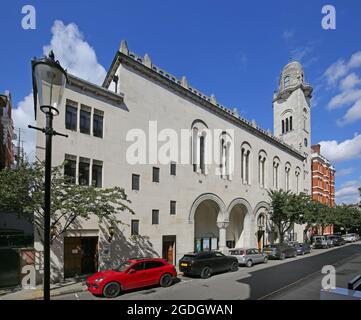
<point x="97" y="176"/>
<point x="84" y="173"/>
<point x="84" y="121"/>
<point x="153" y="264"/>
<point x="155" y="174"/>
<point x="135" y="181"/>
<point x="155" y="216"/>
<point x="173" y="168"/>
<point x="71" y="118"/>
<point x="138" y="266"/>
<point x="98" y="125"/>
<point x="291" y="125"/>
<point x="173" y="207"/>
<point x="135" y="227"/>
<point x="70" y="170"/>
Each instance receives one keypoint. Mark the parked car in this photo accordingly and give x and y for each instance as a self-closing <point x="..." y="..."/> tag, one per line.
<point x="336" y="240"/>
<point x="135" y="273"/>
<point x="248" y="257"/>
<point x="302" y="248"/>
<point x="279" y="251"/>
<point x="321" y="242"/>
<point x="205" y="263"/>
<point x="349" y="237"/>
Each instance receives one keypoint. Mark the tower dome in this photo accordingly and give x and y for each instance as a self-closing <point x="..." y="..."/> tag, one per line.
<point x="292" y="75"/>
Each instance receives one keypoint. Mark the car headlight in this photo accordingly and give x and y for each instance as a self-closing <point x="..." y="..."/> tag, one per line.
<point x="99" y="279"/>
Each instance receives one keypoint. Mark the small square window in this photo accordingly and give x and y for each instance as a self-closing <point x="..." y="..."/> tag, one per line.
<point x="155" y="174"/>
<point x="155" y="216"/>
<point x="135" y="181"/>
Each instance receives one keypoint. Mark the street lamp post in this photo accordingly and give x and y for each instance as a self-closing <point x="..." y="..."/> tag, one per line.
<point x="49" y="80"/>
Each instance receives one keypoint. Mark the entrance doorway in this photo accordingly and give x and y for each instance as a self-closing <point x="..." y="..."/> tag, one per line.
<point x="169" y="249"/>
<point x="80" y="256"/>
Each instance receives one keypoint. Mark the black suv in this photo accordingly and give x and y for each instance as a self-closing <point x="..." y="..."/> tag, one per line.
<point x="205" y="263"/>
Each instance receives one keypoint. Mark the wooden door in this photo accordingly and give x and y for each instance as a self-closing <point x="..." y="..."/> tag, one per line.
<point x="72" y="257"/>
<point x="170" y="252"/>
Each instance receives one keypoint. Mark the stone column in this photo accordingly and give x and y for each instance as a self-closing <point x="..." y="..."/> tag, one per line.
<point x="222" y="235"/>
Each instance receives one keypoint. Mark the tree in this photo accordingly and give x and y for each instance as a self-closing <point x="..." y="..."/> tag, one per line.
<point x="22" y="192"/>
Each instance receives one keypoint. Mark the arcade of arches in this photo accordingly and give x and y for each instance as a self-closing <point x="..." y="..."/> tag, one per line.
<point x="218" y="227"/>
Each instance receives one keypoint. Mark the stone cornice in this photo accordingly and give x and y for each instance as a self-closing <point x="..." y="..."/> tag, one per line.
<point x="145" y="67"/>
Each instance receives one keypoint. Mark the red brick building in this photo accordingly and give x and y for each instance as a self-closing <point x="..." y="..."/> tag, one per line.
<point x="6" y="131"/>
<point x="323" y="181"/>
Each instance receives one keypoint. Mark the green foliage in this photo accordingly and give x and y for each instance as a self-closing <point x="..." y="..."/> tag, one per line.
<point x="22" y="192"/>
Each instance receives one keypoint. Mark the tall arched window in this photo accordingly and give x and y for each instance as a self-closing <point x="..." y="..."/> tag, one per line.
<point x="283" y="126"/>
<point x="201" y="153"/>
<point x="291" y="125"/>
<point x="287" y="81"/>
<point x="262" y="158"/>
<point x="195" y="161"/>
<point x="226" y="156"/>
<point x="287" y="176"/>
<point x="245" y="163"/>
<point x="297" y="175"/>
<point x="287" y="125"/>
<point x="199" y="146"/>
<point x="276" y="164"/>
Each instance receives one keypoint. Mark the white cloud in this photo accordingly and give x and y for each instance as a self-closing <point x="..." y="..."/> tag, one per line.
<point x="23" y="115"/>
<point x="353" y="114"/>
<point x="341" y="67"/>
<point x="350" y="82"/>
<point x="74" y="54"/>
<point x="348" y="193"/>
<point x="344" y="98"/>
<point x="346" y="150"/>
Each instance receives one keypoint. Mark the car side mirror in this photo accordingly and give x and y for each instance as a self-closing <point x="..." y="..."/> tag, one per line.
<point x="132" y="271"/>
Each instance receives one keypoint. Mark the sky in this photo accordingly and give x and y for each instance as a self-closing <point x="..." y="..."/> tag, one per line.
<point x="232" y="49"/>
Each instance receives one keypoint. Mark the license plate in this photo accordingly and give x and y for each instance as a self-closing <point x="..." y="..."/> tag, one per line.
<point x="184" y="264"/>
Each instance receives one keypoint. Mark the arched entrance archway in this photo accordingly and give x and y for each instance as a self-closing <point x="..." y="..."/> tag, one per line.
<point x="208" y="215"/>
<point x="263" y="232"/>
<point x="238" y="231"/>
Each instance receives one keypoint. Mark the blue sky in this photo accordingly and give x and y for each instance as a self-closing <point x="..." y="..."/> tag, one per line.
<point x="234" y="49"/>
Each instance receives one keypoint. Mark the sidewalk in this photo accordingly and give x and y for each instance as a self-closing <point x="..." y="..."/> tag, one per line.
<point x="55" y="290"/>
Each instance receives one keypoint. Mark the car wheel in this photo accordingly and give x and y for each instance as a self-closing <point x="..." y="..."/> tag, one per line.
<point x="282" y="256"/>
<point x="234" y="266"/>
<point x="303" y="253"/>
<point x="206" y="272"/>
<point x="265" y="260"/>
<point x="295" y="254"/>
<point x="111" y="290"/>
<point x="165" y="280"/>
<point x="249" y="263"/>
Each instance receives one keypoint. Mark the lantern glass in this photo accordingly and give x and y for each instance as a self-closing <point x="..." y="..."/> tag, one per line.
<point x="50" y="83"/>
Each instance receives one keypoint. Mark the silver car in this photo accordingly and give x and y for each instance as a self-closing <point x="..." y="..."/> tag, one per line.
<point x="248" y="257"/>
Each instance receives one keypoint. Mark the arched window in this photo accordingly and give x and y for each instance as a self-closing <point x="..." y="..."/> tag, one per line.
<point x="262" y="157"/>
<point x="226" y="156"/>
<point x="283" y="126"/>
<point x="290" y="123"/>
<point x="245" y="163"/>
<point x="287" y="125"/>
<point x="276" y="164"/>
<point x="287" y="176"/>
<point x="199" y="146"/>
<point x="297" y="175"/>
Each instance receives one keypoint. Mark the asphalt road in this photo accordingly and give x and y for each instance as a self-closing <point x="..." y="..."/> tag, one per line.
<point x="259" y="282"/>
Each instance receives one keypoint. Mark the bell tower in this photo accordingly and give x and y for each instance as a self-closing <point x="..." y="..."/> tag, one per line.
<point x="292" y="112"/>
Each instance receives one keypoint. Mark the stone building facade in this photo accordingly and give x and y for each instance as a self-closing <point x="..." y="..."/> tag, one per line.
<point x="187" y="203"/>
<point x="6" y="131"/>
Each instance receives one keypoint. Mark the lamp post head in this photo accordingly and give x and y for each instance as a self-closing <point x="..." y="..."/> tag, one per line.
<point x="49" y="80"/>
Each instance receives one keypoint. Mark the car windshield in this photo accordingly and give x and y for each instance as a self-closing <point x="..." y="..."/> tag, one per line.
<point x="122" y="267"/>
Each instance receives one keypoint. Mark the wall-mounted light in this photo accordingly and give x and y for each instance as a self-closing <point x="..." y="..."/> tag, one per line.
<point x="111" y="232"/>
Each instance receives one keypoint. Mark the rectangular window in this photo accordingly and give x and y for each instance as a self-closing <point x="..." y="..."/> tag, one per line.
<point x="84" y="165"/>
<point x="135" y="181"/>
<point x="173" y="169"/>
<point x="135" y="227"/>
<point x="155" y="216"/>
<point x="85" y="120"/>
<point x="155" y="174"/>
<point x="173" y="207"/>
<point x="70" y="168"/>
<point x="98" y="123"/>
<point x="97" y="174"/>
<point x="71" y="117"/>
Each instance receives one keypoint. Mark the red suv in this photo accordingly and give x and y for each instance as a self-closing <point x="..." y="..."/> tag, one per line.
<point x="135" y="273"/>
